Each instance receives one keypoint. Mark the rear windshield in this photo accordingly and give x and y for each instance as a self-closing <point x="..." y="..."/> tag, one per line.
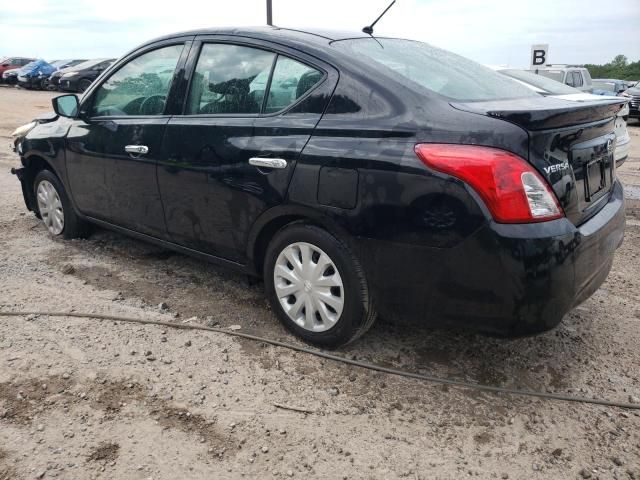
<point x="437" y="70"/>
<point x="550" y="86"/>
<point x="609" y="86"/>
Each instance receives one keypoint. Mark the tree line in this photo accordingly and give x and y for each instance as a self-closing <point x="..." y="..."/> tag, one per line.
<point x="619" y="68"/>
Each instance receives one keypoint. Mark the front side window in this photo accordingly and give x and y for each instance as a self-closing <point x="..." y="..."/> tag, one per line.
<point x="290" y="81"/>
<point x="140" y="87"/>
<point x="229" y="79"/>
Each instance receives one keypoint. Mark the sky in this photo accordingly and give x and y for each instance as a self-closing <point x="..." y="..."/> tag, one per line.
<point x="496" y="32"/>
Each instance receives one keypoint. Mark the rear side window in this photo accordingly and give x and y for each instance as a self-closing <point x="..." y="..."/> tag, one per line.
<point x="437" y="70"/>
<point x="140" y="87"/>
<point x="290" y="81"/>
<point x="577" y="79"/>
<point x="229" y="79"/>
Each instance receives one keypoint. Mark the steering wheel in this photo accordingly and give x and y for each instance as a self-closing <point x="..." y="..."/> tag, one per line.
<point x="153" y="105"/>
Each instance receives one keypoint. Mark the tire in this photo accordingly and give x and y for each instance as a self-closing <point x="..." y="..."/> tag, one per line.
<point x="342" y="282"/>
<point x="84" y="84"/>
<point x="51" y="197"/>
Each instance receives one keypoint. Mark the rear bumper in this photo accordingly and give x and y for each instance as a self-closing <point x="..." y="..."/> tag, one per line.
<point x="622" y="150"/>
<point x="504" y="279"/>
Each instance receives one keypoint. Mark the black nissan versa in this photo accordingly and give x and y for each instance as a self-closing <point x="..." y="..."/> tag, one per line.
<point x="356" y="175"/>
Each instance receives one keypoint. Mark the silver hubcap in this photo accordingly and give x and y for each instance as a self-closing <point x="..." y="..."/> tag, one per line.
<point x="50" y="207"/>
<point x="309" y="287"/>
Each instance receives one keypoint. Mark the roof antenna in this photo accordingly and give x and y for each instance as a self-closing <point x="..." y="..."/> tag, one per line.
<point x="369" y="30"/>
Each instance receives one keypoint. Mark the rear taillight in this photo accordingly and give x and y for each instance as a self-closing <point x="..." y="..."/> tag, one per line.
<point x="512" y="190"/>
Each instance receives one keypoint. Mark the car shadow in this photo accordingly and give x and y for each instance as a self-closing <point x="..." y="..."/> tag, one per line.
<point x="553" y="361"/>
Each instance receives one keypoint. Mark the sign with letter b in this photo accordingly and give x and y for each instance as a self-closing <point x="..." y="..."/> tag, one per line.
<point x="539" y="55"/>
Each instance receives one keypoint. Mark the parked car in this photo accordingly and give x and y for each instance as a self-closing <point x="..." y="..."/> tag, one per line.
<point x="354" y="174"/>
<point x="634" y="104"/>
<point x="59" y="65"/>
<point x="10" y="63"/>
<point x="609" y="86"/>
<point x="79" y="78"/>
<point x="31" y="75"/>
<point x="572" y="75"/>
<point x="547" y="86"/>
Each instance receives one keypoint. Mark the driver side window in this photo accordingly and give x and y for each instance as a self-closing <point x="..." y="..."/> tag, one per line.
<point x="140" y="87"/>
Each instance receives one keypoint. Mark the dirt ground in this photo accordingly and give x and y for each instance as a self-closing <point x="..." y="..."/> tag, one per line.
<point x="82" y="400"/>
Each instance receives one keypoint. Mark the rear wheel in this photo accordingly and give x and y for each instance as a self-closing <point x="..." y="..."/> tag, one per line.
<point x="55" y="209"/>
<point x="84" y="84"/>
<point x="316" y="286"/>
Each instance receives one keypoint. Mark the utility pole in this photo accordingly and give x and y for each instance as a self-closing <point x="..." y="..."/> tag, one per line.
<point x="269" y="13"/>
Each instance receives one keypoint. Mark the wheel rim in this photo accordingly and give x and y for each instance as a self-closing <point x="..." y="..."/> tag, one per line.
<point x="50" y="207"/>
<point x="309" y="287"/>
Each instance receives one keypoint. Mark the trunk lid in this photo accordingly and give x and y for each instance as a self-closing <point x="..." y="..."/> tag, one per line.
<point x="571" y="144"/>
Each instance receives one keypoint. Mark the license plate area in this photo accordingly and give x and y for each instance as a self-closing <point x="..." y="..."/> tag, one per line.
<point x="594" y="166"/>
<point x="596" y="178"/>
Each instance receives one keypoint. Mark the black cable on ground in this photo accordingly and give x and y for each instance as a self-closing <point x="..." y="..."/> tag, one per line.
<point x="335" y="358"/>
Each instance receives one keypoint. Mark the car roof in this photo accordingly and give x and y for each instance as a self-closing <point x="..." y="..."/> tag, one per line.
<point x="311" y="36"/>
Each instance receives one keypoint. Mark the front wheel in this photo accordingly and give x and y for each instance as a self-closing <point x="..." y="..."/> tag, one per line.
<point x="55" y="209"/>
<point x="317" y="287"/>
<point x="84" y="84"/>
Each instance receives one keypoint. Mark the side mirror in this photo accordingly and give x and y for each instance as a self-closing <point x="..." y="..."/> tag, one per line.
<point x="5" y="64"/>
<point x="66" y="105"/>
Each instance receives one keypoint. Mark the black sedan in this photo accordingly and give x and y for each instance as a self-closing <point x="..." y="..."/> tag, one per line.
<point x="356" y="175"/>
<point x="78" y="78"/>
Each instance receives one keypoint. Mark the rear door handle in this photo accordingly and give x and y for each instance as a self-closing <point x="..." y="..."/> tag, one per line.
<point x="264" y="162"/>
<point x="137" y="149"/>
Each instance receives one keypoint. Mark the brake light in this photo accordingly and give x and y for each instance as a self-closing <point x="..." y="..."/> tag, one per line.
<point x="511" y="189"/>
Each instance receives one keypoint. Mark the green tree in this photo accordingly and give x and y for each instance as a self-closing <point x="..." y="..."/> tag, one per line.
<point x="619" y="68"/>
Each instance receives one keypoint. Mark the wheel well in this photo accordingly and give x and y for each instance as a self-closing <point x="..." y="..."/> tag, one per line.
<point x="265" y="236"/>
<point x="33" y="166"/>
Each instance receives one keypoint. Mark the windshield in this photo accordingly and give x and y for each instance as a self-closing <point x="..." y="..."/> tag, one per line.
<point x="608" y="86"/>
<point x="550" y="86"/>
<point x="557" y="75"/>
<point x="89" y="63"/>
<point x="437" y="70"/>
<point x="59" y="63"/>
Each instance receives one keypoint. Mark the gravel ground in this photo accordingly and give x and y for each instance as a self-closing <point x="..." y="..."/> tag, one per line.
<point x="82" y="399"/>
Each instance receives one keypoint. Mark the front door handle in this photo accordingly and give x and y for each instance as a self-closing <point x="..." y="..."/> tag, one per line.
<point x="137" y="149"/>
<point x="265" y="162"/>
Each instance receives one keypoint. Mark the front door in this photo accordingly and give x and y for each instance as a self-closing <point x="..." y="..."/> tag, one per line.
<point x="114" y="146"/>
<point x="248" y="114"/>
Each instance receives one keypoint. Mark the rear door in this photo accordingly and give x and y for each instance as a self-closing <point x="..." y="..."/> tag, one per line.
<point x="249" y="109"/>
<point x="114" y="145"/>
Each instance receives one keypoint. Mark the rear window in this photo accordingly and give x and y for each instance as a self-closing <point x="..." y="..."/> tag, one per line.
<point x="540" y="81"/>
<point x="557" y="75"/>
<point x="440" y="71"/>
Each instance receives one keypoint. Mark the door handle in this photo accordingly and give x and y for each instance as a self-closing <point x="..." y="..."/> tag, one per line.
<point x="264" y="162"/>
<point x="137" y="149"/>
